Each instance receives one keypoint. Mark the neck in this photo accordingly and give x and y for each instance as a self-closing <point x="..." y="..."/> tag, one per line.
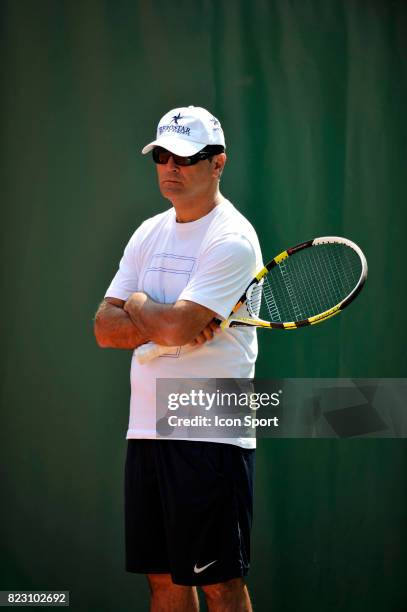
<point x="192" y="210"/>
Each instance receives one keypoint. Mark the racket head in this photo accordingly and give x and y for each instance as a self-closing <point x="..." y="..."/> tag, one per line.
<point x="304" y="285"/>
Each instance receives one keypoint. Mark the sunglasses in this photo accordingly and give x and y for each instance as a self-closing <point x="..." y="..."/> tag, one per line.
<point x="161" y="156"/>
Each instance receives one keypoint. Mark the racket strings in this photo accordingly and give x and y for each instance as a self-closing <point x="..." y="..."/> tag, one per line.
<point x="263" y="291"/>
<point x="306" y="284"/>
<point x="285" y="273"/>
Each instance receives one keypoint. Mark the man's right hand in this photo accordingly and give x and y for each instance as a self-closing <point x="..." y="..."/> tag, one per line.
<point x="207" y="333"/>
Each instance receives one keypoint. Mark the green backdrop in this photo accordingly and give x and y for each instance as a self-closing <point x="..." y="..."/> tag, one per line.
<point x="312" y="98"/>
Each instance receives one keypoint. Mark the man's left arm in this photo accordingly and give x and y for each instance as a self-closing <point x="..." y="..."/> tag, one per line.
<point x="170" y="324"/>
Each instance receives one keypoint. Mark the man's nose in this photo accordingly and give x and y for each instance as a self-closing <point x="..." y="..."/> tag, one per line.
<point x="171" y="165"/>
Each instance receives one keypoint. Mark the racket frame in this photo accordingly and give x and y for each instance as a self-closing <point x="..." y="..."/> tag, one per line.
<point x="320" y="317"/>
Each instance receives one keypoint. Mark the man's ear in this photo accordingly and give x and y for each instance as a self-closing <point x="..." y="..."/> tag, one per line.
<point x="219" y="164"/>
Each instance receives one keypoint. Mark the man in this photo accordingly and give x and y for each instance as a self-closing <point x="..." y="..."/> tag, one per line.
<point x="188" y="504"/>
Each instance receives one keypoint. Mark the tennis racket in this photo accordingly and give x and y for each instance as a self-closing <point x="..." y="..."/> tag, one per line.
<point x="304" y="285"/>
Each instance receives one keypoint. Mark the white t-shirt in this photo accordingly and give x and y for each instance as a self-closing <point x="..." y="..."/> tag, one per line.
<point x="209" y="261"/>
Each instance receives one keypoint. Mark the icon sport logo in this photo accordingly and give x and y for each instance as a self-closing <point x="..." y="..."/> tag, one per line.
<point x="198" y="570"/>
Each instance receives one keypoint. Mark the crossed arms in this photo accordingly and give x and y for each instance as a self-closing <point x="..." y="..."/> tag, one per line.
<point x="127" y="325"/>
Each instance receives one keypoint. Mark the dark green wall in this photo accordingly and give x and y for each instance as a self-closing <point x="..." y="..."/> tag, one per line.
<point x="312" y="98"/>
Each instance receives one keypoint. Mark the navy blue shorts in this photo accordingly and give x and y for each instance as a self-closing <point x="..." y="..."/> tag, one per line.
<point x="188" y="510"/>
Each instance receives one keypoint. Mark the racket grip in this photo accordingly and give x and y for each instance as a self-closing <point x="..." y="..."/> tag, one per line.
<point x="149" y="351"/>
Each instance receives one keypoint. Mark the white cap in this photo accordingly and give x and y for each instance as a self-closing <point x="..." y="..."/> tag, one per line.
<point x="185" y="131"/>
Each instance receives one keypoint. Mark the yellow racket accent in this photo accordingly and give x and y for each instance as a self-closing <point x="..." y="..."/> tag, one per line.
<point x="325" y="315"/>
<point x="252" y="322"/>
<point x="280" y="257"/>
<point x="262" y="272"/>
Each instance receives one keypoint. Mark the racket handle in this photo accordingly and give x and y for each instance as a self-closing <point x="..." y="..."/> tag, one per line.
<point x="149" y="351"/>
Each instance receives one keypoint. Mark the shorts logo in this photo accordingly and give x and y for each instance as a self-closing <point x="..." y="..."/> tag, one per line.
<point x="198" y="570"/>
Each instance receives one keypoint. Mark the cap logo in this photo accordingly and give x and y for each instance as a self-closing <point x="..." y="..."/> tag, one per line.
<point x="174" y="127"/>
<point x="216" y="125"/>
<point x="176" y="118"/>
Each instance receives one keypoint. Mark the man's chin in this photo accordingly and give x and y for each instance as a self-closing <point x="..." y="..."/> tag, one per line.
<point x="170" y="189"/>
